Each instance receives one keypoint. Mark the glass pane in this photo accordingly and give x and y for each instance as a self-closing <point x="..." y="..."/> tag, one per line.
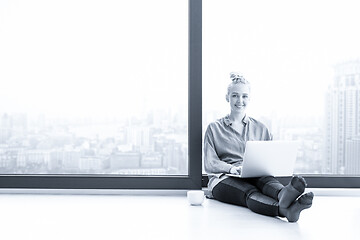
<point x="94" y="87"/>
<point x="302" y="60"/>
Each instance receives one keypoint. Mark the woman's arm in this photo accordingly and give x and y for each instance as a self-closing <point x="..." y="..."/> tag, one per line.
<point x="212" y="163"/>
<point x="267" y="135"/>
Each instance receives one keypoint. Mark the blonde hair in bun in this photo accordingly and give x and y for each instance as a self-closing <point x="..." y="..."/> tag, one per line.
<point x="238" y="78"/>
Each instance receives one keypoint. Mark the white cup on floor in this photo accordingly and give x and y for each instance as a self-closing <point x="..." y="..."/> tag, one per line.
<point x="195" y="197"/>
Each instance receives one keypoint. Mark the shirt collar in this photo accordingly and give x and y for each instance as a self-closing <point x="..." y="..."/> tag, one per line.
<point x="228" y="122"/>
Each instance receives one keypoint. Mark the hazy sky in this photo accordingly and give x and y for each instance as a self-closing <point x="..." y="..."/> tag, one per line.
<point x="74" y="58"/>
<point x="286" y="49"/>
<point x="77" y="57"/>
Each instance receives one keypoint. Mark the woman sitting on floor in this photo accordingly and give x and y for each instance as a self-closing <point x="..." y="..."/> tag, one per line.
<point x="224" y="147"/>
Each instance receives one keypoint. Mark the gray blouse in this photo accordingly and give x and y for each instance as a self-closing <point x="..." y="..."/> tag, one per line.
<point x="224" y="147"/>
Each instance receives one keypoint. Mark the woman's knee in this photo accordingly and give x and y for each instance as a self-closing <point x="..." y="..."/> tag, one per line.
<point x="262" y="204"/>
<point x="232" y="192"/>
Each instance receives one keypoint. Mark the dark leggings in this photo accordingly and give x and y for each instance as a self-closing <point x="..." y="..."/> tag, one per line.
<point x="260" y="195"/>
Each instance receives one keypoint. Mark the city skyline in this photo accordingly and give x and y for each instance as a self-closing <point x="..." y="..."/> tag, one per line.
<point x="135" y="146"/>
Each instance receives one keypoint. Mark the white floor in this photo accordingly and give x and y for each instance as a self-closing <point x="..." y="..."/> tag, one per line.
<point x="167" y="216"/>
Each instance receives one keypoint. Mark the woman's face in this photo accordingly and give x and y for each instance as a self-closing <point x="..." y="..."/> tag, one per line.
<point x="238" y="97"/>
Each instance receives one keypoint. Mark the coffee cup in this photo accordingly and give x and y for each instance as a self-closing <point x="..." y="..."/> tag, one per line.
<point x="195" y="197"/>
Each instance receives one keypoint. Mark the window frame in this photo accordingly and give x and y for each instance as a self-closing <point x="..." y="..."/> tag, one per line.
<point x="195" y="179"/>
<point x="104" y="181"/>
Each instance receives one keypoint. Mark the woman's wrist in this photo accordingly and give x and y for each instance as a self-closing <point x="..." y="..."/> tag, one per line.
<point x="233" y="170"/>
<point x="236" y="170"/>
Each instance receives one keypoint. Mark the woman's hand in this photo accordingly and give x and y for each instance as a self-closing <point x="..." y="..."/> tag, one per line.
<point x="236" y="170"/>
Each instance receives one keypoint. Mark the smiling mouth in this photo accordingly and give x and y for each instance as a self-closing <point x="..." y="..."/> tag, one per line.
<point x="240" y="106"/>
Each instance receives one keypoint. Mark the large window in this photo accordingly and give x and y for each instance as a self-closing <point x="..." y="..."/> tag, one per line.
<point x="302" y="59"/>
<point x="98" y="93"/>
<point x="108" y="94"/>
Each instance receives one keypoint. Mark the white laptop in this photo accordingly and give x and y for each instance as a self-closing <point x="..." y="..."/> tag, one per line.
<point x="264" y="158"/>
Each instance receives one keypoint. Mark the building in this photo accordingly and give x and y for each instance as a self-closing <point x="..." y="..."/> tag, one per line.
<point x="139" y="138"/>
<point x="128" y="160"/>
<point x="342" y="117"/>
<point x="90" y="163"/>
<point x="152" y="160"/>
<point x="352" y="153"/>
<point x="63" y="161"/>
<point x="8" y="158"/>
<point x="6" y="124"/>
